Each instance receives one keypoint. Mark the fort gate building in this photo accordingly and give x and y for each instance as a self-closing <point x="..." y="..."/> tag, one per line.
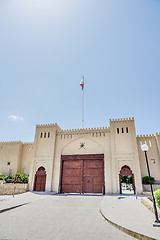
<point x="83" y="160"/>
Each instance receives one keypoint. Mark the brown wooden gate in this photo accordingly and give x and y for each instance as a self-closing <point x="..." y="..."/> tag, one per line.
<point x="82" y="173"/>
<point x="40" y="179"/>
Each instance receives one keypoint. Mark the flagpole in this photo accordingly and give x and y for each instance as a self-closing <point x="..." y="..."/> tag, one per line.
<point x="83" y="107"/>
<point x="82" y="85"/>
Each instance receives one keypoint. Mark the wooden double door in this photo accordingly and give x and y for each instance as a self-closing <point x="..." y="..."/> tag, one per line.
<point x="82" y="173"/>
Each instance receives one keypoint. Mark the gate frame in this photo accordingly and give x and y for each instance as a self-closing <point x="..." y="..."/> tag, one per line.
<point x="126" y="172"/>
<point x="80" y="157"/>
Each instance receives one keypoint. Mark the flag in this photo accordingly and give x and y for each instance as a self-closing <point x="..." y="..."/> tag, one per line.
<point x="82" y="83"/>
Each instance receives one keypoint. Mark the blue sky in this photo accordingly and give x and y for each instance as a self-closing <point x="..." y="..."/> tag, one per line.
<point x="47" y="46"/>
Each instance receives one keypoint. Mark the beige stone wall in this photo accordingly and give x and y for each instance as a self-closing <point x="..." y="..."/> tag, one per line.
<point x="124" y="151"/>
<point x="158" y="142"/>
<point x="153" y="156"/>
<point x="10" y="188"/>
<point x="27" y="152"/>
<point x="147" y="188"/>
<point x="43" y="152"/>
<point x="10" y="152"/>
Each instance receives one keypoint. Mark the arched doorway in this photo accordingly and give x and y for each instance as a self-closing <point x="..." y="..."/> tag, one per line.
<point x="40" y="179"/>
<point x="126" y="171"/>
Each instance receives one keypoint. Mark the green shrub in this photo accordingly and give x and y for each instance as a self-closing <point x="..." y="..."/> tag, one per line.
<point x="18" y="178"/>
<point x="145" y="180"/>
<point x="157" y="197"/>
<point x="1" y="176"/>
<point x="8" y="179"/>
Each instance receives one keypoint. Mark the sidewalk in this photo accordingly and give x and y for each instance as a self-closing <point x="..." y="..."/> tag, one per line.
<point x="8" y="201"/>
<point x="130" y="215"/>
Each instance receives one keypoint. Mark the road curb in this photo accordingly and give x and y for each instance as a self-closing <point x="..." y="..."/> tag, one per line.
<point x="127" y="231"/>
<point x="10" y="208"/>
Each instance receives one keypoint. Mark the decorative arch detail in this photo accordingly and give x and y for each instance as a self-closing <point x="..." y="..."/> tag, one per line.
<point x="125" y="167"/>
<point x="90" y="147"/>
<point x="41" y="169"/>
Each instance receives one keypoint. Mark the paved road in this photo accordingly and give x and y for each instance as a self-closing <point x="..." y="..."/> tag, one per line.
<point x="58" y="217"/>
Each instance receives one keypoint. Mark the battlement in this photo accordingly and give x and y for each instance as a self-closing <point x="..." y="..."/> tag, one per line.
<point x="121" y="119"/>
<point x="145" y="136"/>
<point x="157" y="134"/>
<point x="8" y="142"/>
<point x="19" y="142"/>
<point x="84" y="130"/>
<point x="47" y="125"/>
<point x="28" y="143"/>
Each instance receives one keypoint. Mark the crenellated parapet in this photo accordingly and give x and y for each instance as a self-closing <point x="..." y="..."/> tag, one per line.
<point x="145" y="136"/>
<point x="84" y="130"/>
<point x="17" y="142"/>
<point x="28" y="143"/>
<point x="98" y="132"/>
<point x="10" y="142"/>
<point x="121" y="119"/>
<point x="148" y="139"/>
<point x="47" y="125"/>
